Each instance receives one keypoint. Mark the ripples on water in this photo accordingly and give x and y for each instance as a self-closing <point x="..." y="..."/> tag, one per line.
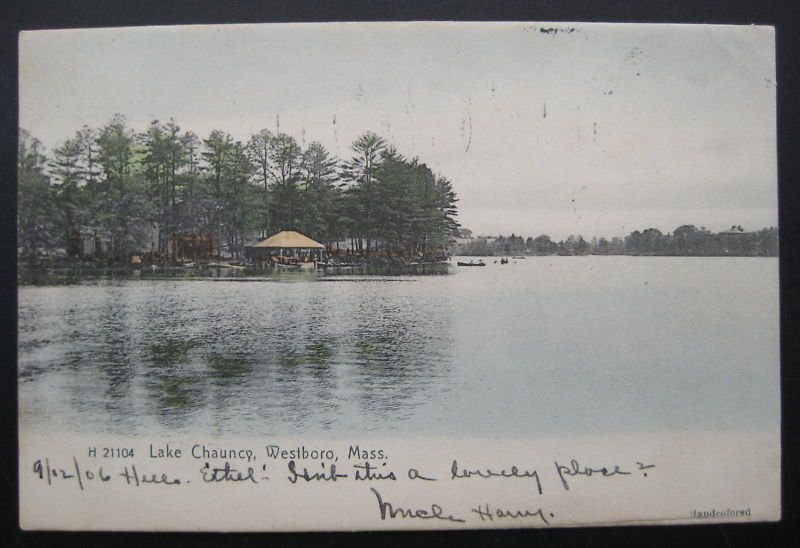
<point x="537" y="347"/>
<point x="258" y="358"/>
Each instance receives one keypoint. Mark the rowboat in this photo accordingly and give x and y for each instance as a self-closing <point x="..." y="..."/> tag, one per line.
<point x="225" y="265"/>
<point x="479" y="263"/>
<point x="282" y="266"/>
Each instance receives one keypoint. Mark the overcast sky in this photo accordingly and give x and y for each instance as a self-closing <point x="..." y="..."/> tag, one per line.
<point x="596" y="131"/>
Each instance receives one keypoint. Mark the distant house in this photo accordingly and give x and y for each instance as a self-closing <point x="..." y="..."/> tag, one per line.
<point x="100" y="243"/>
<point x="734" y="231"/>
<point x="193" y="246"/>
<point x="734" y="240"/>
<point x="460" y="245"/>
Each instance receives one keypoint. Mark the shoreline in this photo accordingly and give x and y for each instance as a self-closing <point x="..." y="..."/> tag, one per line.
<point x="28" y="275"/>
<point x="64" y="275"/>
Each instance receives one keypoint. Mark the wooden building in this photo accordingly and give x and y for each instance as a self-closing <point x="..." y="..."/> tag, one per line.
<point x="288" y="249"/>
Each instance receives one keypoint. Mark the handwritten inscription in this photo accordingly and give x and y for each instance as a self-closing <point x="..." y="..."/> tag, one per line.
<point x="54" y="473"/>
<point x="329" y="474"/>
<point x="489" y="513"/>
<point x="576" y="469"/>
<point x="374" y="467"/>
<point x="368" y="472"/>
<point x="226" y="473"/>
<point x="132" y="477"/>
<point x="435" y="512"/>
<point x="457" y="472"/>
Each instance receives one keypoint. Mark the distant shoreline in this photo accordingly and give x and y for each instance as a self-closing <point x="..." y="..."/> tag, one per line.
<point x="684" y="241"/>
<point x="29" y="275"/>
<point x="700" y="256"/>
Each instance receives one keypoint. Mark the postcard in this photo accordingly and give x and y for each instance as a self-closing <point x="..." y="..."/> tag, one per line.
<point x="368" y="276"/>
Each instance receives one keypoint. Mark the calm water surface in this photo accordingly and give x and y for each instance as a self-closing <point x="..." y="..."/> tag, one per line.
<point x="537" y="347"/>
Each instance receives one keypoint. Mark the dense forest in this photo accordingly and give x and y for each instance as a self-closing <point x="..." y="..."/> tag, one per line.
<point x="686" y="240"/>
<point x="127" y="192"/>
<point x="109" y="193"/>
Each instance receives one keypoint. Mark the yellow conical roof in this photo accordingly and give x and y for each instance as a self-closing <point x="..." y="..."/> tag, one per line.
<point x="289" y="239"/>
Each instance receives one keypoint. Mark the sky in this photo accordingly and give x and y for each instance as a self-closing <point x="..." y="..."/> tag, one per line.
<point x="591" y="129"/>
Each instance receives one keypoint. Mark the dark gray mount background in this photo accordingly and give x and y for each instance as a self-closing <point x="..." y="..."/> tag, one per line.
<point x="18" y="15"/>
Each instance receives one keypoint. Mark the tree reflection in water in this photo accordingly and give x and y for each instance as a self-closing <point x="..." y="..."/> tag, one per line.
<point x="255" y="359"/>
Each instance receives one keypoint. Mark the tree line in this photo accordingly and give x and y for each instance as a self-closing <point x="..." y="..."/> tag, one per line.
<point x="686" y="240"/>
<point x="132" y="192"/>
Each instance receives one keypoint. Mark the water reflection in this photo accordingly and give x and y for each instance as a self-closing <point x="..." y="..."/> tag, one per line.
<point x="170" y="380"/>
<point x="398" y="348"/>
<point x="226" y="367"/>
<point x="230" y="357"/>
<point x="176" y="393"/>
<point x="486" y="351"/>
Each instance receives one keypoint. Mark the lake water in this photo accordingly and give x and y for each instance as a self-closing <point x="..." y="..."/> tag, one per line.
<point x="541" y="346"/>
